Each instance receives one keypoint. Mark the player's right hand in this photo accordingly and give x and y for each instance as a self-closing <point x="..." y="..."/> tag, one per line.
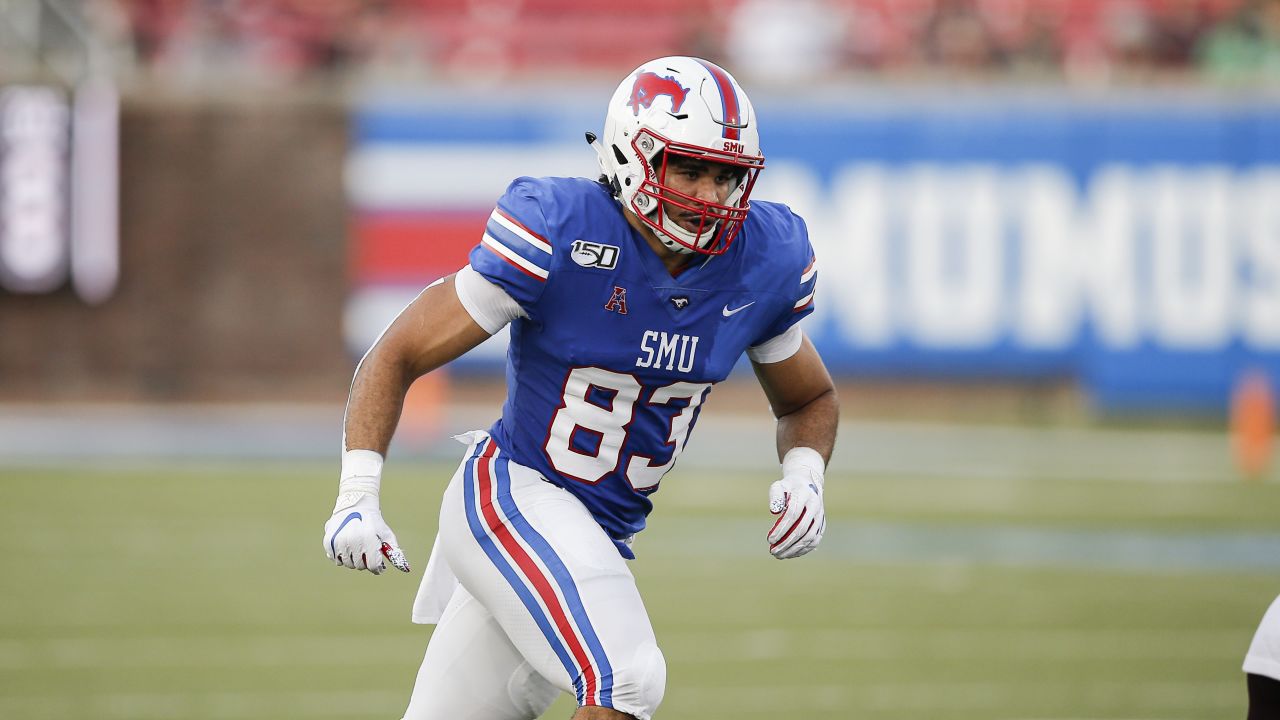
<point x="354" y="537"/>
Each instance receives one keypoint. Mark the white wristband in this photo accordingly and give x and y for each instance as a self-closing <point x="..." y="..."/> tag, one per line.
<point x="361" y="475"/>
<point x="804" y="460"/>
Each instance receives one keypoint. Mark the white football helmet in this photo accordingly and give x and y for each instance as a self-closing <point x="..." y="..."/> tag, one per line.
<point x="680" y="106"/>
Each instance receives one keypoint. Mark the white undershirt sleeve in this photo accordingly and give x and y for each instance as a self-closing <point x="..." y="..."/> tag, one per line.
<point x="778" y="348"/>
<point x="488" y="304"/>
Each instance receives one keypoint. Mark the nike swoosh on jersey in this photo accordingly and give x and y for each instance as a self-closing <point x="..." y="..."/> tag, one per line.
<point x="727" y="312"/>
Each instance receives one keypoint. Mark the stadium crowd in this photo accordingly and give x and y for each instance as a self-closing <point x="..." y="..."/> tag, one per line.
<point x="1089" y="42"/>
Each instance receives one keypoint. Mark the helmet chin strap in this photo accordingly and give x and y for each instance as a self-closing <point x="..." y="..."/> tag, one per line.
<point x="664" y="230"/>
<point x="671" y="227"/>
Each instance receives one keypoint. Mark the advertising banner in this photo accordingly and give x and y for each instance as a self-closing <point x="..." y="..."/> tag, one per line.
<point x="1132" y="245"/>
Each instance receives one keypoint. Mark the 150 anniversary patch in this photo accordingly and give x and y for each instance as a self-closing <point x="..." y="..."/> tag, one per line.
<point x="590" y="254"/>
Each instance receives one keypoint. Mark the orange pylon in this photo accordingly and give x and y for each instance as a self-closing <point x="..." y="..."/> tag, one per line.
<point x="1253" y="424"/>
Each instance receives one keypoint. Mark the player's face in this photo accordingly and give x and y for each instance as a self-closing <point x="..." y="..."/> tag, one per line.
<point x="704" y="180"/>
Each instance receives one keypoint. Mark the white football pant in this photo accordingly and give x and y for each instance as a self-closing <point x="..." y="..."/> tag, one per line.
<point x="1263" y="657"/>
<point x="543" y="604"/>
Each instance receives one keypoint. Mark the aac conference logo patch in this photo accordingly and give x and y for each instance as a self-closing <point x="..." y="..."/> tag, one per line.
<point x="590" y="254"/>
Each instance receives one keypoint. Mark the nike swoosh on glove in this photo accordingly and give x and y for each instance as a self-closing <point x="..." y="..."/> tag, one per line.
<point x="354" y="537"/>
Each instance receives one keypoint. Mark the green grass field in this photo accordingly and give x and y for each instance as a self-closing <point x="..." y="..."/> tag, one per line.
<point x="177" y="591"/>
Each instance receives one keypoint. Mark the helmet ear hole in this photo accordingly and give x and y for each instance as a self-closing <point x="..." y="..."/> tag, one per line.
<point x="617" y="153"/>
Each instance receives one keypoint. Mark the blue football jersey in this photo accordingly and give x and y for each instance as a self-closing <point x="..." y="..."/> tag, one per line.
<point x="607" y="374"/>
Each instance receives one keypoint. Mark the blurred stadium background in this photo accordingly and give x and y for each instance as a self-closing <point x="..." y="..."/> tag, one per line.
<point x="1049" y="233"/>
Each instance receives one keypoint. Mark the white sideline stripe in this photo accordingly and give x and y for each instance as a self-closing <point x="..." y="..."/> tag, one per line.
<point x="511" y="255"/>
<point x="34" y="435"/>
<point x="519" y="232"/>
<point x="803" y="301"/>
<point x="809" y="275"/>
<point x="966" y="451"/>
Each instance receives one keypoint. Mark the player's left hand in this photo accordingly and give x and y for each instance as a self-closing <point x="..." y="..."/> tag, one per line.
<point x="797" y="500"/>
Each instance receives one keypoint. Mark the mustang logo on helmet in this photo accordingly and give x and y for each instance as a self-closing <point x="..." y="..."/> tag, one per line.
<point x="649" y="86"/>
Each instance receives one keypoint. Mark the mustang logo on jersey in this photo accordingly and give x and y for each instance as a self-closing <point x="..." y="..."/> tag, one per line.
<point x="669" y="350"/>
<point x="590" y="254"/>
<point x="649" y="86"/>
<point x="680" y="302"/>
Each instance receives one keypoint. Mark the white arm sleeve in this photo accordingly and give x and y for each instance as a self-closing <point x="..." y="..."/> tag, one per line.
<point x="489" y="305"/>
<point x="778" y="348"/>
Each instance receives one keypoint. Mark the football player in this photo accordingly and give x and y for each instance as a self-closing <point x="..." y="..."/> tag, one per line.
<point x="1262" y="667"/>
<point x="629" y="298"/>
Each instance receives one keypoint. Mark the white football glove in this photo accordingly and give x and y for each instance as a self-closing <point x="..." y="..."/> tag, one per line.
<point x="356" y="536"/>
<point x="797" y="500"/>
